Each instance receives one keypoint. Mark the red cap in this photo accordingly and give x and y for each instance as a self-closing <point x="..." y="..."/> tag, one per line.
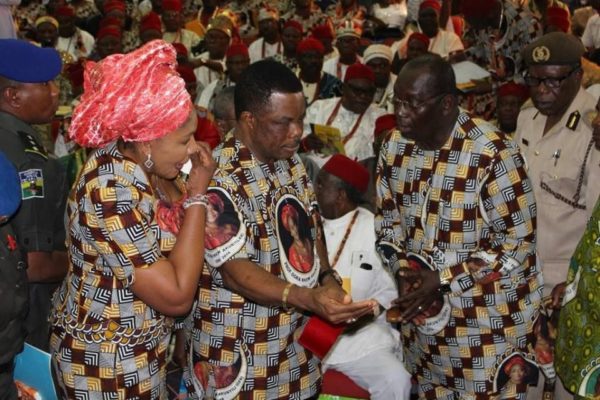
<point x="187" y="73"/>
<point x="435" y="4"/>
<point x="237" y="49"/>
<point x="477" y="8"/>
<point x="384" y="123"/>
<point x="64" y="11"/>
<point x="181" y="50"/>
<point x="350" y="171"/>
<point x="310" y="44"/>
<point x="514" y="89"/>
<point x="171" y="5"/>
<point x="109" y="30"/>
<point x="106" y="21"/>
<point x="151" y="22"/>
<point x="359" y="71"/>
<point x="112" y="5"/>
<point x="558" y="17"/>
<point x="322" y="32"/>
<point x="294" y="24"/>
<point x="421" y="37"/>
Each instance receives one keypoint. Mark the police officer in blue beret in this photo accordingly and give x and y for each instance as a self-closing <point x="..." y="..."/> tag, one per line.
<point x="13" y="281"/>
<point x="28" y="96"/>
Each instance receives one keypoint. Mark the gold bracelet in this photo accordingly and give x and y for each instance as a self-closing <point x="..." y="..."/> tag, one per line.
<point x="284" y="298"/>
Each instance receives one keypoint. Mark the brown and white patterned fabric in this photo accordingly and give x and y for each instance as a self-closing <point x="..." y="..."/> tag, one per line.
<point x="240" y="348"/>
<point x="105" y="342"/>
<point x="520" y="28"/>
<point x="471" y="199"/>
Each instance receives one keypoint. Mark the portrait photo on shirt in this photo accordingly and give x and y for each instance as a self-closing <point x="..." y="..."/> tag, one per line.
<point x="222" y="221"/>
<point x="516" y="370"/>
<point x="294" y="229"/>
<point x="219" y="381"/>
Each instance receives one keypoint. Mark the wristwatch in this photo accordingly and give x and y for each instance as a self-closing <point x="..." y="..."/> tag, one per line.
<point x="333" y="273"/>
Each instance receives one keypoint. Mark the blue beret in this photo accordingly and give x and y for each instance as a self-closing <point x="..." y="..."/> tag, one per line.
<point x="24" y="62"/>
<point x="10" y="195"/>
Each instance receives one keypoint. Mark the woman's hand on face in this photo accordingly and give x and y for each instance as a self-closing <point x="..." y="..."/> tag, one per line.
<point x="203" y="168"/>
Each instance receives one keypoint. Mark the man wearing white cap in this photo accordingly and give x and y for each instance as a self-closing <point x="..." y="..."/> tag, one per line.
<point x="379" y="58"/>
<point x="347" y="43"/>
<point x="269" y="43"/>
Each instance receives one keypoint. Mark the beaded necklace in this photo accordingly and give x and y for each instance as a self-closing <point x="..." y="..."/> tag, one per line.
<point x="338" y="253"/>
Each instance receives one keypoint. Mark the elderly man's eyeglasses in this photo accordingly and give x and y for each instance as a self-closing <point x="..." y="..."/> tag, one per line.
<point x="413" y="104"/>
<point x="551" y="82"/>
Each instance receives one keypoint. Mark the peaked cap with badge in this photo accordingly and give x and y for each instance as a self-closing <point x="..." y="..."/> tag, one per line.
<point x="555" y="48"/>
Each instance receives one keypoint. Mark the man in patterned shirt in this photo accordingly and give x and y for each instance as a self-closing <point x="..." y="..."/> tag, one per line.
<point x="265" y="254"/>
<point x="455" y="223"/>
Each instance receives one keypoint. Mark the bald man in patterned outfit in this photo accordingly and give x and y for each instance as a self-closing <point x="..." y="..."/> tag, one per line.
<point x="455" y="223"/>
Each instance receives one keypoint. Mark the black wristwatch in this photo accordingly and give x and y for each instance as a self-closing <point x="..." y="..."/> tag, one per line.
<point x="333" y="273"/>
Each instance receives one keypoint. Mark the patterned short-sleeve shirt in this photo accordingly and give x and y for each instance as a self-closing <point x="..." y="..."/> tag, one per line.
<point x="267" y="214"/>
<point x="112" y="231"/>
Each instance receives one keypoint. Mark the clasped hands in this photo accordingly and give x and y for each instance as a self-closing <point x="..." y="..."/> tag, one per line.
<point x="418" y="290"/>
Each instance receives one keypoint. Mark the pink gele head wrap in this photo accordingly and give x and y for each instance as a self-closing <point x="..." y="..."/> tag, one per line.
<point x="138" y="96"/>
<point x="288" y="211"/>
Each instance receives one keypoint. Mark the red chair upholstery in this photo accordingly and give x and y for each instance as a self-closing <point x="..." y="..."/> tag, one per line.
<point x="337" y="384"/>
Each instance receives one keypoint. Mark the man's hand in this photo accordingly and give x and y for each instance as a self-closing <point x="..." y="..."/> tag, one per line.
<point x="557" y="296"/>
<point x="418" y="291"/>
<point x="332" y="303"/>
<point x="312" y="142"/>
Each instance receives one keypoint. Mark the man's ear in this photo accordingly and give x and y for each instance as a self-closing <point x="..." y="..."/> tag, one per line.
<point x="247" y="119"/>
<point x="449" y="103"/>
<point x="10" y="96"/>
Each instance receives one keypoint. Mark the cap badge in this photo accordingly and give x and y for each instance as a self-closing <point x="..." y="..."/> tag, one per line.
<point x="540" y="54"/>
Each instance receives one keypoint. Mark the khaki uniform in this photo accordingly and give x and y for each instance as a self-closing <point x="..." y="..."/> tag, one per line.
<point x="556" y="159"/>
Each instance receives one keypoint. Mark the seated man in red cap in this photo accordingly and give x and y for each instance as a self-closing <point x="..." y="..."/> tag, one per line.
<point x="316" y="84"/>
<point x="291" y="35"/>
<point x="509" y="100"/>
<point x="150" y="28"/>
<point x="324" y="34"/>
<point x="371" y="356"/>
<point x="236" y="61"/>
<point x="72" y="40"/>
<point x="353" y="114"/>
<point x="172" y="19"/>
<point x="441" y="41"/>
<point x="417" y="44"/>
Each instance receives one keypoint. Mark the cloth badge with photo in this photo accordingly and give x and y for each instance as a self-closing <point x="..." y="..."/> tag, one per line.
<point x="32" y="184"/>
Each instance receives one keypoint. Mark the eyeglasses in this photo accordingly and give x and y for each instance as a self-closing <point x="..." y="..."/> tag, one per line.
<point x="550" y="82"/>
<point x="413" y="104"/>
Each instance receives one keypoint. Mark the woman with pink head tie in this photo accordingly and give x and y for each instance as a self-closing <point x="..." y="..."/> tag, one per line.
<point x="128" y="276"/>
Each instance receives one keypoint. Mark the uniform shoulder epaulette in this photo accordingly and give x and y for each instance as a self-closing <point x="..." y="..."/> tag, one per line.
<point x="32" y="146"/>
<point x="573" y="120"/>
